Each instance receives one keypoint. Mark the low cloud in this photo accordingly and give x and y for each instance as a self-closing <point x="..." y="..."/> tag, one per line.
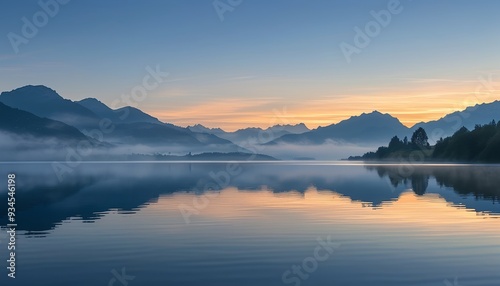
<point x="28" y="148"/>
<point x="329" y="150"/>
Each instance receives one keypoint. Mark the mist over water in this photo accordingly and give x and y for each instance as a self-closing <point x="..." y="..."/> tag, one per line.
<point x="28" y="148"/>
<point x="327" y="151"/>
<point x="14" y="147"/>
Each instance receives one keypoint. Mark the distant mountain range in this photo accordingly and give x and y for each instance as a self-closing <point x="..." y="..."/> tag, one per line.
<point x="40" y="112"/>
<point x="25" y="136"/>
<point x="253" y="134"/>
<point x="130" y="126"/>
<point x="23" y="123"/>
<point x="45" y="102"/>
<point x="365" y="128"/>
<point x="376" y="128"/>
<point x="121" y="115"/>
<point x="469" y="118"/>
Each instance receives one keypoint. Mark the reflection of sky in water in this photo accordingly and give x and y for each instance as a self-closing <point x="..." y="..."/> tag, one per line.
<point x="266" y="220"/>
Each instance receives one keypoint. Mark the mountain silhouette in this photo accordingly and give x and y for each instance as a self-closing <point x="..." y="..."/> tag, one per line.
<point x="45" y="102"/>
<point x="253" y="134"/>
<point x="23" y="123"/>
<point x="371" y="127"/>
<point x="130" y="125"/>
<point x="125" y="114"/>
<point x="202" y="129"/>
<point x="160" y="134"/>
<point x="469" y="118"/>
<point x="133" y="126"/>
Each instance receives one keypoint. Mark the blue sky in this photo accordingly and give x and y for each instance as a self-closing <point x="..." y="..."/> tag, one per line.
<point x="264" y="56"/>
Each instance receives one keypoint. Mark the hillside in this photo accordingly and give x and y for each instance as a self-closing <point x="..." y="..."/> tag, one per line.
<point x="23" y="123"/>
<point x="468" y="118"/>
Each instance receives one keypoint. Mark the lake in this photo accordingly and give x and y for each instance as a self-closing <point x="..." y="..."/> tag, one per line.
<point x="281" y="223"/>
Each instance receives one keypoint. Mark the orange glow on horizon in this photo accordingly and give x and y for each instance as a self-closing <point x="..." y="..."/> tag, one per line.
<point x="421" y="102"/>
<point x="311" y="114"/>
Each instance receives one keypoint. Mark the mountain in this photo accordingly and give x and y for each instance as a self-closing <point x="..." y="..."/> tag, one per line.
<point x="130" y="125"/>
<point x="22" y="123"/>
<point x="45" y="102"/>
<point x="469" y="118"/>
<point x="294" y="129"/>
<point x="121" y="115"/>
<point x="167" y="138"/>
<point x="366" y="128"/>
<point x="160" y="134"/>
<point x="253" y="134"/>
<point x="134" y="128"/>
<point x="267" y="134"/>
<point x="84" y="114"/>
<point x="46" y="139"/>
<point x="202" y="129"/>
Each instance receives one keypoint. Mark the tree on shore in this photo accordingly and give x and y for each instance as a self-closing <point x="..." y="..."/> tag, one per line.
<point x="419" y="138"/>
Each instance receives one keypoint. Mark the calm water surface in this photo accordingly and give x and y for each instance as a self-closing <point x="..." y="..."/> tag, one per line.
<point x="254" y="224"/>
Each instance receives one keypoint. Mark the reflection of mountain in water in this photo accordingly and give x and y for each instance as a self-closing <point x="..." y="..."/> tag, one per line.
<point x="473" y="186"/>
<point x="43" y="202"/>
<point x="483" y="182"/>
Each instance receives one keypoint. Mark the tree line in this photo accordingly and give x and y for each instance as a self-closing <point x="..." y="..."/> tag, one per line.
<point x="482" y="144"/>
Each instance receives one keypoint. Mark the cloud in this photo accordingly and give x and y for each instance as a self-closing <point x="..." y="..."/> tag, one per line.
<point x="328" y="151"/>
